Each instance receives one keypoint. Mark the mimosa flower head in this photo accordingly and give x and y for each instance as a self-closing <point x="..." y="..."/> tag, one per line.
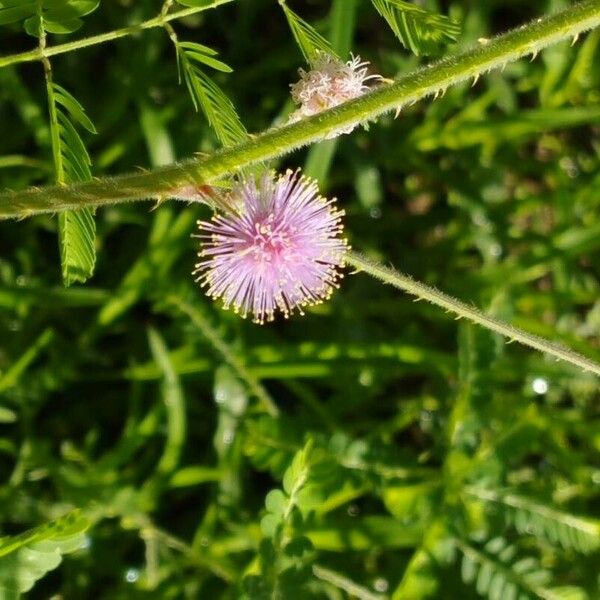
<point x="330" y="82"/>
<point x="279" y="247"/>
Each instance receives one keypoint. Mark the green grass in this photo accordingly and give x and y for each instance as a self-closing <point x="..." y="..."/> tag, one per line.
<point x="374" y="448"/>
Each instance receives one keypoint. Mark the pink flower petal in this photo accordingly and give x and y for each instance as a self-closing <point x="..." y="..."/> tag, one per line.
<point x="279" y="250"/>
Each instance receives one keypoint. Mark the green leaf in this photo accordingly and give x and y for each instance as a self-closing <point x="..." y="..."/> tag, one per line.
<point x="12" y="375"/>
<point x="13" y="12"/>
<point x="270" y="524"/>
<point x="533" y="517"/>
<point x="232" y="401"/>
<point x="77" y="229"/>
<point x="54" y="16"/>
<point x="411" y="502"/>
<point x="33" y="25"/>
<point x="204" y="55"/>
<point x="77" y="232"/>
<point x="310" y="41"/>
<point x="7" y="415"/>
<point x="67" y="10"/>
<point x="195" y="475"/>
<point x="421" y="576"/>
<point x="73" y="151"/>
<point x="5" y="4"/>
<point x="28" y="557"/>
<point x="496" y="572"/>
<point x="174" y="402"/>
<point x="477" y="351"/>
<point x="210" y="62"/>
<point x="339" y="534"/>
<point x="419" y="29"/>
<point x="208" y="96"/>
<point x="196" y="47"/>
<point x="276" y="502"/>
<point x="568" y="592"/>
<point x="194" y="3"/>
<point x="66" y="26"/>
<point x="270" y="443"/>
<point x="284" y="559"/>
<point x="297" y="473"/>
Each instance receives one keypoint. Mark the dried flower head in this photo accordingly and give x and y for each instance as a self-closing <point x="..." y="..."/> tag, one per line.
<point x="330" y="82"/>
<point x="279" y="248"/>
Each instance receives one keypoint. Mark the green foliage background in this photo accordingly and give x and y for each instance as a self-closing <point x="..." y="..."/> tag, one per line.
<point x="374" y="448"/>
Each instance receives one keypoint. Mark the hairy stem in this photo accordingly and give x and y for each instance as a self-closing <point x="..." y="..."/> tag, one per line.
<point x="159" y="21"/>
<point x="464" y="311"/>
<point x="165" y="181"/>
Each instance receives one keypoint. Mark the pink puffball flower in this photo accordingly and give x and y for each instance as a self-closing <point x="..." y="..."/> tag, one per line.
<point x="279" y="247"/>
<point x="330" y="82"/>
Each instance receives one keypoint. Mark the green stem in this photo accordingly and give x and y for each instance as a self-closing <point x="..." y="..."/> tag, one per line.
<point x="236" y="363"/>
<point x="201" y="560"/>
<point x="175" y="409"/>
<point x="17" y="160"/>
<point x="342" y="25"/>
<point x="54" y="125"/>
<point x="431" y="79"/>
<point x="464" y="311"/>
<point x="158" y="21"/>
<point x="344" y="583"/>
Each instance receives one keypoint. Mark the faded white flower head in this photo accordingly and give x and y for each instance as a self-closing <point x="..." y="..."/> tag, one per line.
<point x="330" y="82"/>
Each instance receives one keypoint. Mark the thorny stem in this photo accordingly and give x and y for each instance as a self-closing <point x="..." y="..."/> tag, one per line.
<point x="158" y="21"/>
<point x="464" y="311"/>
<point x="163" y="182"/>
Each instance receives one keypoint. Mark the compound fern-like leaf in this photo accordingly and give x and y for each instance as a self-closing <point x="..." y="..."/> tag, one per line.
<point x="53" y="16"/>
<point x="496" y="572"/>
<point x="531" y="517"/>
<point x="76" y="229"/>
<point x="310" y="41"/>
<point x="206" y="95"/>
<point x="419" y="29"/>
<point x="28" y="557"/>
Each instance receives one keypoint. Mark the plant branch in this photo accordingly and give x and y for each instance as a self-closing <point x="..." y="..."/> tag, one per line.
<point x="434" y="78"/>
<point x="464" y="311"/>
<point x="158" y="21"/>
